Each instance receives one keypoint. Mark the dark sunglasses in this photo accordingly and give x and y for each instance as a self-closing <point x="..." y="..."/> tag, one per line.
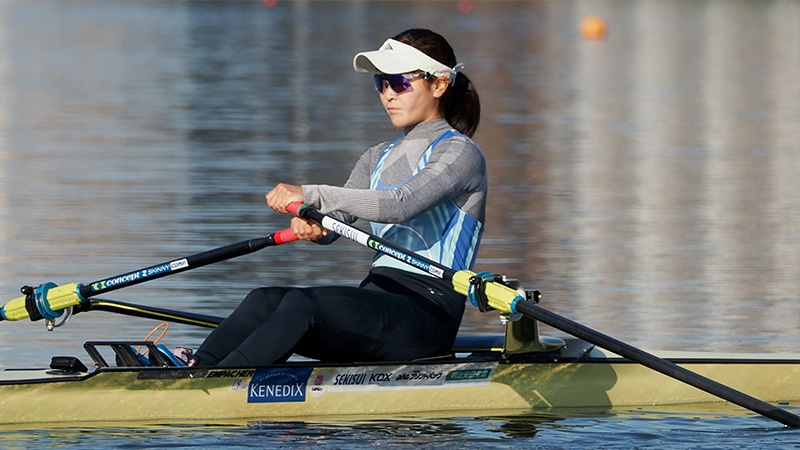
<point x="399" y="83"/>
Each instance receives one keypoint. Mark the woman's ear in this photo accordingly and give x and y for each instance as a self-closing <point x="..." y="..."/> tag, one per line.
<point x="440" y="85"/>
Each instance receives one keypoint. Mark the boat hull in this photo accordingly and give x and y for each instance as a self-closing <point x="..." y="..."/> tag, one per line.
<point x="476" y="383"/>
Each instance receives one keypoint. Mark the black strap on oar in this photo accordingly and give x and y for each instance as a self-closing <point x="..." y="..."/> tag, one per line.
<point x="477" y="290"/>
<point x="533" y="311"/>
<point x="30" y="303"/>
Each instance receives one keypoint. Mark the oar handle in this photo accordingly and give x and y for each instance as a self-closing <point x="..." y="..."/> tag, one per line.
<point x="299" y="209"/>
<point x="284" y="236"/>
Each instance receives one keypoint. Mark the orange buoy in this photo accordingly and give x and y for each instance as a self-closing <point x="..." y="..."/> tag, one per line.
<point x="593" y="27"/>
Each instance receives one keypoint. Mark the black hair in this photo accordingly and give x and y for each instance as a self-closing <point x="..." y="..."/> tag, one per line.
<point x="460" y="103"/>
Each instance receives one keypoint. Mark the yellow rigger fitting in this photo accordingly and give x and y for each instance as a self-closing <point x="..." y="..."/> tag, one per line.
<point x="58" y="298"/>
<point x="500" y="297"/>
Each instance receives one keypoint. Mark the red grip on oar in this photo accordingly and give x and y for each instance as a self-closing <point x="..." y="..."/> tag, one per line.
<point x="284" y="236"/>
<point x="294" y="207"/>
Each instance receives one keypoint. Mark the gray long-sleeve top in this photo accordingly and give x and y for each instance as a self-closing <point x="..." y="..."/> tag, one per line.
<point x="456" y="171"/>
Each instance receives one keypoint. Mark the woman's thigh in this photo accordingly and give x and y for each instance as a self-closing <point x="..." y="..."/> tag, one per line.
<point x="357" y="324"/>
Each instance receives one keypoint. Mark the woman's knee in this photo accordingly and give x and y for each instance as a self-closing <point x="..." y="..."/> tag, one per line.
<point x="265" y="298"/>
<point x="272" y="298"/>
<point x="300" y="299"/>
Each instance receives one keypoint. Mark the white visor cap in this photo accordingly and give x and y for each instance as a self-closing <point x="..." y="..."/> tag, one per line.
<point x="395" y="57"/>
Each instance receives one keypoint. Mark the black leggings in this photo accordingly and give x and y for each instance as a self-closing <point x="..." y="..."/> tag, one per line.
<point x="332" y="324"/>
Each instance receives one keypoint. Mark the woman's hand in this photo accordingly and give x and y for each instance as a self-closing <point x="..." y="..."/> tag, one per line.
<point x="307" y="230"/>
<point x="281" y="195"/>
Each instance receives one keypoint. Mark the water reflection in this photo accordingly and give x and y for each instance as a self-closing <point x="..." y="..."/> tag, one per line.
<point x="559" y="429"/>
<point x="646" y="183"/>
<point x="407" y="431"/>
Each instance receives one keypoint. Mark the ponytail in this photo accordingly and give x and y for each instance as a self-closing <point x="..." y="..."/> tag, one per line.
<point x="461" y="106"/>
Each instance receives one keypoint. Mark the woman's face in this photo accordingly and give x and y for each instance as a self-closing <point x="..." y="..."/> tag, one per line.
<point x="418" y="104"/>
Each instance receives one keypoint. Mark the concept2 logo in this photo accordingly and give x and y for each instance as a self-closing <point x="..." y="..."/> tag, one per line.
<point x="140" y="275"/>
<point x="408" y="259"/>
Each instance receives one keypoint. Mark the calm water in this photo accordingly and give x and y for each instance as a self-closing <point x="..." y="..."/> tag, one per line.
<point x="646" y="183"/>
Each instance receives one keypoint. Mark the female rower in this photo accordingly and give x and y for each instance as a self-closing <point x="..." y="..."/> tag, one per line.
<point x="425" y="191"/>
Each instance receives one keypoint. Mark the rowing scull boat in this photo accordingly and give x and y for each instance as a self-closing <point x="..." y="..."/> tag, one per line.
<point x="485" y="373"/>
<point x="528" y="372"/>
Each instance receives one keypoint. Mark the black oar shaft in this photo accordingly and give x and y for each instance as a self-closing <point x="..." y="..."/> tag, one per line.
<point x="658" y="364"/>
<point x="179" y="265"/>
<point x="48" y="300"/>
<point x="562" y="323"/>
